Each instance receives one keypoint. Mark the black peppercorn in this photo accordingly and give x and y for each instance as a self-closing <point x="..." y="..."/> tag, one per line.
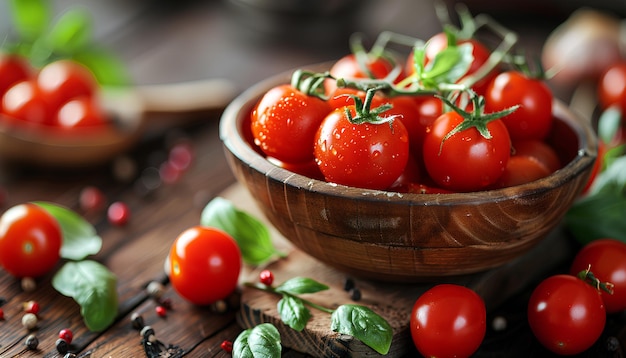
<point x="62" y="346"/>
<point x="355" y="294"/>
<point x="137" y="321"/>
<point x="31" y="342"/>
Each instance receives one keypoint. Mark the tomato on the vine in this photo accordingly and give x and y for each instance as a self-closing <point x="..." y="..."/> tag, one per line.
<point x="480" y="53"/>
<point x="365" y="155"/>
<point x="533" y="119"/>
<point x="466" y="160"/>
<point x="448" y="321"/>
<point x="566" y="314"/>
<point x="606" y="258"/>
<point x="30" y="241"/>
<point x="351" y="67"/>
<point x="204" y="265"/>
<point x="284" y="123"/>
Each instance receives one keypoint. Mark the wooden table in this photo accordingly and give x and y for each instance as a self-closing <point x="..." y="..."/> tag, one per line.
<point x="172" y="43"/>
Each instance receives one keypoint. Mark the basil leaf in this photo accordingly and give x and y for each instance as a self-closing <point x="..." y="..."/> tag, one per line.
<point x="30" y="17"/>
<point x="300" y="285"/>
<point x="450" y="64"/>
<point x="252" y="236"/>
<point x="93" y="287"/>
<point x="363" y="324"/>
<point x="293" y="312"/>
<point x="108" y="69"/>
<point x="601" y="213"/>
<point x="71" y="32"/>
<point x="79" y="236"/>
<point x="261" y="341"/>
<point x="597" y="216"/>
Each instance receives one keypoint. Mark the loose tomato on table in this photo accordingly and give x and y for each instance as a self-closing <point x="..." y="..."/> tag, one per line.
<point x="466" y="154"/>
<point x="606" y="258"/>
<point x="354" y="147"/>
<point x="448" y="321"/>
<point x="566" y="314"/>
<point x="284" y="123"/>
<point x="533" y="119"/>
<point x="204" y="265"/>
<point x="30" y="241"/>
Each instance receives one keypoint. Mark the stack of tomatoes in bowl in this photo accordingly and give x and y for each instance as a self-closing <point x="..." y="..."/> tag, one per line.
<point x="60" y="96"/>
<point x="449" y="160"/>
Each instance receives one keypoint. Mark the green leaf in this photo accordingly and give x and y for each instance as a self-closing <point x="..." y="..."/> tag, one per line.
<point x="108" y="69"/>
<point x="601" y="213"/>
<point x="79" y="236"/>
<point x="363" y="324"/>
<point x="252" y="235"/>
<point x="71" y="32"/>
<point x="609" y="123"/>
<point x="93" y="287"/>
<point x="261" y="341"/>
<point x="300" y="285"/>
<point x="450" y="64"/>
<point x="31" y="18"/>
<point x="597" y="216"/>
<point x="293" y="312"/>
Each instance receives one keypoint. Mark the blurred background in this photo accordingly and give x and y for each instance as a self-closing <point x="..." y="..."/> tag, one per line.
<point x="247" y="40"/>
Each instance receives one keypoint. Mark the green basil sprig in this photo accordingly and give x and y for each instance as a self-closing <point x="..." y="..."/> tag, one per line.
<point x="355" y="320"/>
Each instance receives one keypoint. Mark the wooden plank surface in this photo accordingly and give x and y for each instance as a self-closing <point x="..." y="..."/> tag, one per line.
<point x="392" y="301"/>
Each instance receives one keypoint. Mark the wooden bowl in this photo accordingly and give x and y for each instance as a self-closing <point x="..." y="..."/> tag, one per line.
<point x="390" y="236"/>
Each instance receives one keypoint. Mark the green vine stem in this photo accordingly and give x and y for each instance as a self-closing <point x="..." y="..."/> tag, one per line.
<point x="272" y="290"/>
<point x="589" y="277"/>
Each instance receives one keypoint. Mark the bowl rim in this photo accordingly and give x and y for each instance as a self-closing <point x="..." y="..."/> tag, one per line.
<point x="229" y="133"/>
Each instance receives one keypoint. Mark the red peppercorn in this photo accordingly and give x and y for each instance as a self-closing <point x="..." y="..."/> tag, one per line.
<point x="31" y="307"/>
<point x="161" y="311"/>
<point x="66" y="335"/>
<point x="1" y="314"/>
<point x="118" y="213"/>
<point x="91" y="199"/>
<point x="227" y="346"/>
<point x="266" y="277"/>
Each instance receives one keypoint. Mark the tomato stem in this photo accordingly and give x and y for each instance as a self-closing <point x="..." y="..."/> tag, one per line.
<point x="588" y="276"/>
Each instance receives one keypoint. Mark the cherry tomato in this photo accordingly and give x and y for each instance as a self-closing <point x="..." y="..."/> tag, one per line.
<point x="63" y="80"/>
<point x="539" y="150"/>
<point x="13" y="69"/>
<point x="24" y="101"/>
<point x="80" y="112"/>
<point x="521" y="170"/>
<point x="448" y="321"/>
<point x="566" y="314"/>
<point x="365" y="155"/>
<point x="533" y="119"/>
<point x="349" y="67"/>
<point x="465" y="161"/>
<point x="612" y="87"/>
<point x="204" y="265"/>
<point x="481" y="54"/>
<point x="606" y="259"/>
<point x="284" y="123"/>
<point x="30" y="241"/>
